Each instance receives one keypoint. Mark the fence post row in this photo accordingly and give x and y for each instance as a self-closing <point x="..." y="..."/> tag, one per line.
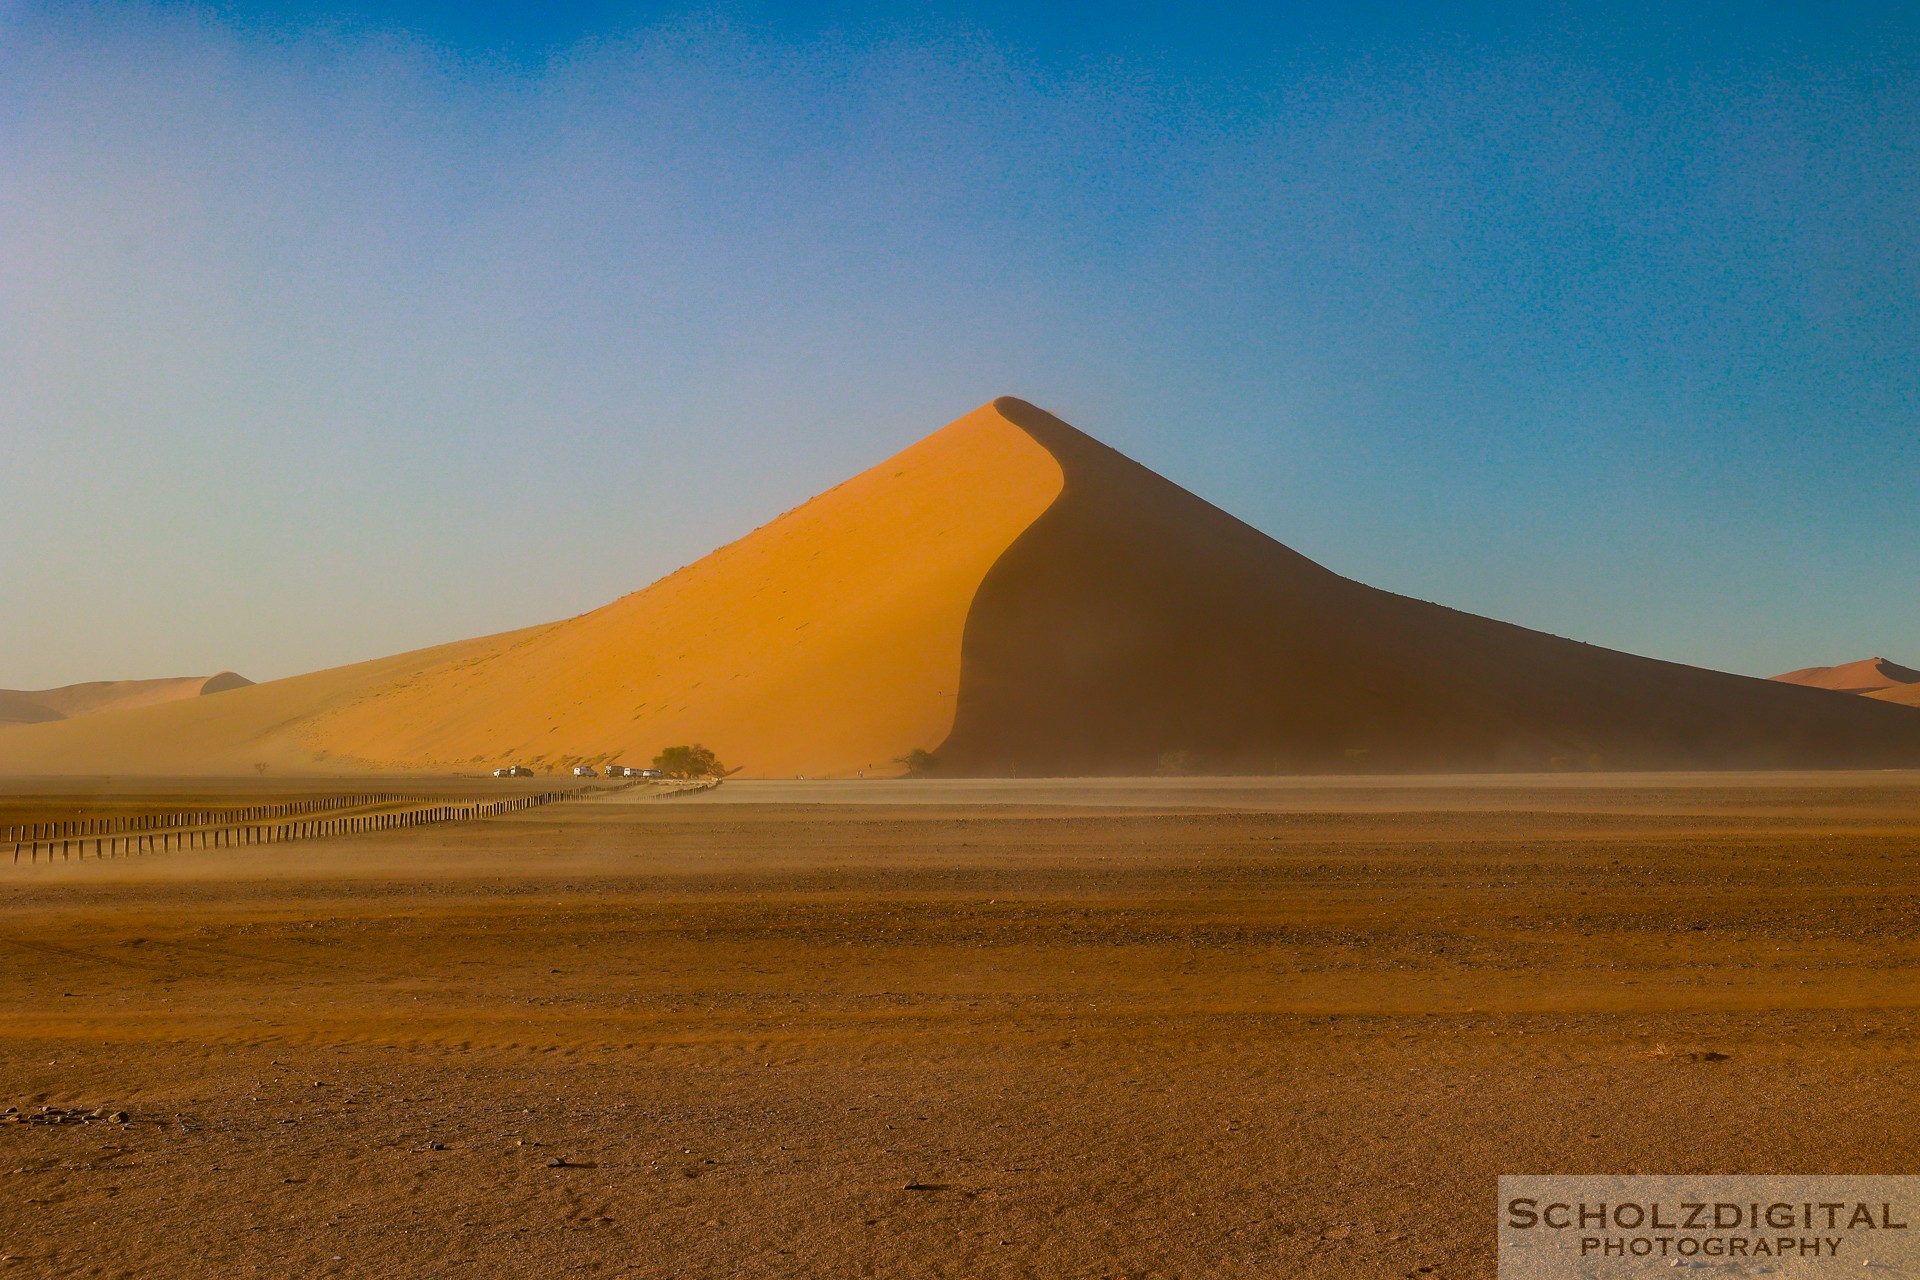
<point x="228" y="828"/>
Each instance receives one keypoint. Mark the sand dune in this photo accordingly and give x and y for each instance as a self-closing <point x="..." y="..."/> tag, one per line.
<point x="34" y="706"/>
<point x="1869" y="675"/>
<point x="827" y="641"/>
<point x="19" y="706"/>
<point x="235" y="733"/>
<point x="1905" y="695"/>
<point x="1026" y="600"/>
<point x="1134" y="622"/>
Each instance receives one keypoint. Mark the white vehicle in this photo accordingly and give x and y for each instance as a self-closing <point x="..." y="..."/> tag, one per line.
<point x="648" y="773"/>
<point x="584" y="771"/>
<point x="513" y="771"/>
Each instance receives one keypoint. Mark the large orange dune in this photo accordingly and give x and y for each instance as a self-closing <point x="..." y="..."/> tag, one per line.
<point x="1025" y="600"/>
<point x="1869" y="675"/>
<point x="34" y="706"/>
<point x="826" y="642"/>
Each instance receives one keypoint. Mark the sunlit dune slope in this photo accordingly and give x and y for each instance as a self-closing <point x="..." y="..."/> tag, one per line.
<point x="30" y="706"/>
<point x="1135" y="627"/>
<point x="1869" y="675"/>
<point x="825" y="642"/>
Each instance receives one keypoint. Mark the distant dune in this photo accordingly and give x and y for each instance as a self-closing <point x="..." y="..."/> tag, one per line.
<point x="19" y="706"/>
<point x="260" y="724"/>
<point x="1026" y="601"/>
<point x="1906" y="695"/>
<point x="34" y="706"/>
<point x="1869" y="675"/>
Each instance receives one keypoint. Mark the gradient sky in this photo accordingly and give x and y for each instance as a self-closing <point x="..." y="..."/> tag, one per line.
<point x="332" y="330"/>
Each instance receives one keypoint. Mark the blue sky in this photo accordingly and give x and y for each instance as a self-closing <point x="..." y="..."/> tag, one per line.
<point x="332" y="330"/>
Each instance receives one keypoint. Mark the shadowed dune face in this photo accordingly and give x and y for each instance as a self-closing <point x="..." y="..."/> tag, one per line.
<point x="1135" y="625"/>
<point x="222" y="683"/>
<point x="1869" y="675"/>
<point x="20" y="706"/>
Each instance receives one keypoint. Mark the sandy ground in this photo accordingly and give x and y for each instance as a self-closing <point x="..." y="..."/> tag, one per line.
<point x="1172" y="1028"/>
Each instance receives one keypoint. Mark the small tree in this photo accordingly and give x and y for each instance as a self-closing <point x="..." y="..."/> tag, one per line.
<point x="1174" y="764"/>
<point x="688" y="762"/>
<point x="919" y="762"/>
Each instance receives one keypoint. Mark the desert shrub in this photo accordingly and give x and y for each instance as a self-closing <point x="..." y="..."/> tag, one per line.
<point x="919" y="762"/>
<point x="1174" y="764"/>
<point x="688" y="762"/>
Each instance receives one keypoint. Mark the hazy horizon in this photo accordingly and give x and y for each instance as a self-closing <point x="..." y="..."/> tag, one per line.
<point x="334" y="332"/>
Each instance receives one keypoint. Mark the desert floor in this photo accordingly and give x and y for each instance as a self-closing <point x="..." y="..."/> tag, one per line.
<point x="1175" y="1028"/>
